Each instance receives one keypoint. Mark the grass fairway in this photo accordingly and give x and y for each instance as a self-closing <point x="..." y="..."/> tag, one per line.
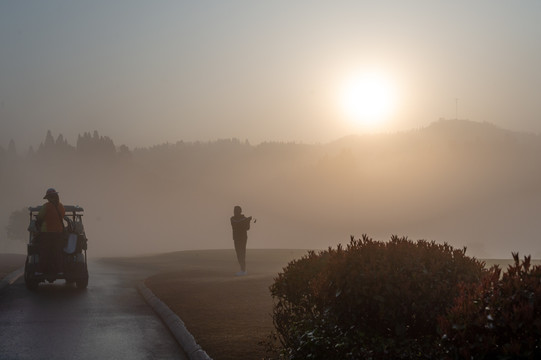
<point x="228" y="315"/>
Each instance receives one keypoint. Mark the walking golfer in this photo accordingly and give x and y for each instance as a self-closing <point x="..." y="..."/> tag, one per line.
<point x="240" y="225"/>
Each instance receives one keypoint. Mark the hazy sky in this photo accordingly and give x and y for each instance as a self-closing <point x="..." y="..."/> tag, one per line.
<point x="149" y="72"/>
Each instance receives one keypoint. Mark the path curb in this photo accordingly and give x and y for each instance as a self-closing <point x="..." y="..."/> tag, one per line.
<point x="175" y="324"/>
<point x="11" y="278"/>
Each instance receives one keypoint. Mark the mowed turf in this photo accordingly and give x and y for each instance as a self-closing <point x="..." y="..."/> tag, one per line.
<point x="228" y="315"/>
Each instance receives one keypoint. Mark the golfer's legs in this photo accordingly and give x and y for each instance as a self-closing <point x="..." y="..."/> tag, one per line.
<point x="240" y="248"/>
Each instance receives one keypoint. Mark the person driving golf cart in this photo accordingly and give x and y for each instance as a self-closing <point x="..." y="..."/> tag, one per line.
<point x="50" y="222"/>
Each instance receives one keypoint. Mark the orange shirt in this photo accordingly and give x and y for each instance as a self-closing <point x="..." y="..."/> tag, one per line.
<point x="51" y="218"/>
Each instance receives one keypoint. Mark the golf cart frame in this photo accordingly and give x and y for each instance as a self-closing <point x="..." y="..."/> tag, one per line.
<point x="74" y="259"/>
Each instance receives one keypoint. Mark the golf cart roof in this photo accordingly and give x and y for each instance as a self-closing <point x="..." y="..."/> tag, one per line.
<point x="68" y="208"/>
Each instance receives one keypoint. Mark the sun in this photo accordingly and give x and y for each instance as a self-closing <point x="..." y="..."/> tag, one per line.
<point x="368" y="99"/>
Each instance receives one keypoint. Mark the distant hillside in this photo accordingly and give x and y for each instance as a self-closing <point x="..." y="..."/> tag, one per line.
<point x="451" y="130"/>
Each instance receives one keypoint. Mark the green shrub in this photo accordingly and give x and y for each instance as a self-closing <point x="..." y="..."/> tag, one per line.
<point x="499" y="317"/>
<point x="371" y="300"/>
<point x="295" y="298"/>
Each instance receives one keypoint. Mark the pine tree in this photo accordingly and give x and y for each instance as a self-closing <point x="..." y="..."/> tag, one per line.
<point x="49" y="140"/>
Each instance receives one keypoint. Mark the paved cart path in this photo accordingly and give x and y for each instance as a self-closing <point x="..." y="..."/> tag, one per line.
<point x="109" y="320"/>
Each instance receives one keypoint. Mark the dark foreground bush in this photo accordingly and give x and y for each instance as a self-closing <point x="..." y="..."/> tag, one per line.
<point x="498" y="318"/>
<point x="371" y="300"/>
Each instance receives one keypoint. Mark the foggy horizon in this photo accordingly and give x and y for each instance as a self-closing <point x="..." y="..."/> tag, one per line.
<point x="461" y="182"/>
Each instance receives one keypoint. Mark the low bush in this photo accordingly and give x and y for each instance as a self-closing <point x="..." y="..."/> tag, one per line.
<point x="370" y="300"/>
<point x="497" y="318"/>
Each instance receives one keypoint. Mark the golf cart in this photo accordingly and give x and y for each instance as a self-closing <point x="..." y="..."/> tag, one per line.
<point x="73" y="255"/>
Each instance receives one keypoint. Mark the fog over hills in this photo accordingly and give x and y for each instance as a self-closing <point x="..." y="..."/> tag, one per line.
<point x="466" y="183"/>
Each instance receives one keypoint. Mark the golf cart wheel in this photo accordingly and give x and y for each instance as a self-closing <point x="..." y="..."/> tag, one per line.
<point x="31" y="284"/>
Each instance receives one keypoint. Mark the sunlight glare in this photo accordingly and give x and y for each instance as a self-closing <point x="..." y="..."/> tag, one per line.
<point x="368" y="99"/>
